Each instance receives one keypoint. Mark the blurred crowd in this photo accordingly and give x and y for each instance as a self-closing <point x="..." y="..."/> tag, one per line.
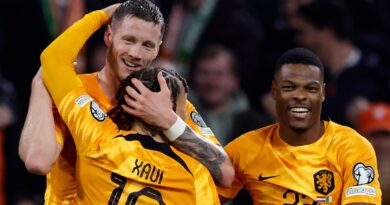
<point x="226" y="49"/>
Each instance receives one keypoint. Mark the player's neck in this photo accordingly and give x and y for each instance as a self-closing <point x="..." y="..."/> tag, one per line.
<point x="140" y="128"/>
<point x="295" y="137"/>
<point x="108" y="82"/>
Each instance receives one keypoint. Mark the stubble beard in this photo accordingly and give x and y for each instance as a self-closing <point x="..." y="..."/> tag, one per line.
<point x="113" y="63"/>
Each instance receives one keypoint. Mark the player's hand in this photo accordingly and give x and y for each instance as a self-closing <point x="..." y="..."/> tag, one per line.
<point x="110" y="9"/>
<point x="155" y="108"/>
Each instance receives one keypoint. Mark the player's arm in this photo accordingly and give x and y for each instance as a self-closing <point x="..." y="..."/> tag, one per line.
<point x="57" y="59"/>
<point x="38" y="146"/>
<point x="238" y="159"/>
<point x="155" y="108"/>
<point x="209" y="154"/>
<point x="360" y="178"/>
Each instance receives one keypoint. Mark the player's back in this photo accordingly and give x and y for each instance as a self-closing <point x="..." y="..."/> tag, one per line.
<point x="134" y="168"/>
<point x="63" y="190"/>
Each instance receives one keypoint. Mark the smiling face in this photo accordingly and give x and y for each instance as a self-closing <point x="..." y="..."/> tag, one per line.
<point x="132" y="44"/>
<point x="298" y="91"/>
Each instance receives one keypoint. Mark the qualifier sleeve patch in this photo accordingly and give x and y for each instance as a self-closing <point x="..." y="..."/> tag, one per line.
<point x="363" y="174"/>
<point x="97" y="112"/>
<point x="197" y="119"/>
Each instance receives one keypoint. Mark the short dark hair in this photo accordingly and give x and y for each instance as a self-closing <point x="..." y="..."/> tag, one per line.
<point x="148" y="76"/>
<point x="328" y="13"/>
<point x="299" y="56"/>
<point x="142" y="9"/>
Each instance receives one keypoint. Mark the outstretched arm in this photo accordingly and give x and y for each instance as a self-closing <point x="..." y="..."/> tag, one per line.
<point x="38" y="146"/>
<point x="57" y="59"/>
<point x="156" y="109"/>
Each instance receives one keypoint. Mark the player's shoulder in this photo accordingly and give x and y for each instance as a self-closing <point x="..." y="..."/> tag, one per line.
<point x="189" y="105"/>
<point x="86" y="77"/>
<point x="344" y="135"/>
<point x="191" y="111"/>
<point x="259" y="134"/>
<point x="244" y="149"/>
<point x="254" y="139"/>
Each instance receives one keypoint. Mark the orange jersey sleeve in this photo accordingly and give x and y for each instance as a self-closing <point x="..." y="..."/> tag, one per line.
<point x="57" y="59"/>
<point x="196" y="122"/>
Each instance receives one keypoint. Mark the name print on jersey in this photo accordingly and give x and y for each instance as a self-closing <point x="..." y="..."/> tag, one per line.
<point x="148" y="171"/>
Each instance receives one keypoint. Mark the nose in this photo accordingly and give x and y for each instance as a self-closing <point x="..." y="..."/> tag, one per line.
<point x="300" y="95"/>
<point x="135" y="51"/>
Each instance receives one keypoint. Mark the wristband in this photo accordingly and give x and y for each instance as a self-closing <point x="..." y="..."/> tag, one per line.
<point x="175" y="130"/>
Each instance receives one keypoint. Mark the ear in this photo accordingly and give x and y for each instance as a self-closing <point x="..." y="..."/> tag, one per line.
<point x="108" y="36"/>
<point x="273" y="89"/>
<point x="323" y="92"/>
<point x="158" y="48"/>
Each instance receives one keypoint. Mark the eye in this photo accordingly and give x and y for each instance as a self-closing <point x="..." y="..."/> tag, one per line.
<point x="287" y="87"/>
<point x="129" y="40"/>
<point x="312" y="89"/>
<point x="149" y="45"/>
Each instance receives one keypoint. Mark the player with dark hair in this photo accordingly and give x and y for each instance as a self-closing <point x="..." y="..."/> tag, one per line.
<point x="123" y="119"/>
<point x="132" y="44"/>
<point x="302" y="159"/>
<point x="119" y="162"/>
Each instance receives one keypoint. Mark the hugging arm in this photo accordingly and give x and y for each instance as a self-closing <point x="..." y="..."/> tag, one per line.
<point x="209" y="154"/>
<point x="38" y="146"/>
<point x="155" y="108"/>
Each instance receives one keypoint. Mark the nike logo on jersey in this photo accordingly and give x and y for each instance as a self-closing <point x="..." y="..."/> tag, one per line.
<point x="261" y="178"/>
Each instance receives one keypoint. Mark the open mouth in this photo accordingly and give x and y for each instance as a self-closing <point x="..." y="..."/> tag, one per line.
<point x="131" y="65"/>
<point x="299" y="112"/>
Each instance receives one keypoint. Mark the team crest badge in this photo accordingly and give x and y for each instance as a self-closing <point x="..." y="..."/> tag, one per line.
<point x="324" y="182"/>
<point x="198" y="119"/>
<point x="363" y="174"/>
<point x="97" y="112"/>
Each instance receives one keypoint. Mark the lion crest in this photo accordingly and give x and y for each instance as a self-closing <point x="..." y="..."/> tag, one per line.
<point x="324" y="181"/>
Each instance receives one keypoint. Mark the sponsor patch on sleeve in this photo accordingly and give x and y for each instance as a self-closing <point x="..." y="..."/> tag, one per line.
<point x="83" y="100"/>
<point x="97" y="112"/>
<point x="362" y="190"/>
<point x="197" y="119"/>
<point x="363" y="174"/>
<point x="206" y="131"/>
